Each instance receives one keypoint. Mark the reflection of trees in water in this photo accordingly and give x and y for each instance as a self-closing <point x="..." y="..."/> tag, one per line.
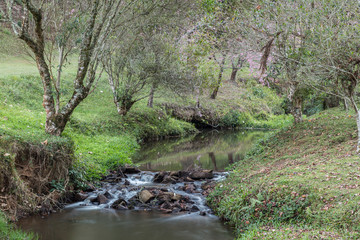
<point x="222" y="147"/>
<point x="231" y="158"/>
<point x="207" y="139"/>
<point x="213" y="160"/>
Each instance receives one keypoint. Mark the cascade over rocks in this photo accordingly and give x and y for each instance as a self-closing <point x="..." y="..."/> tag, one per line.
<point x="166" y="191"/>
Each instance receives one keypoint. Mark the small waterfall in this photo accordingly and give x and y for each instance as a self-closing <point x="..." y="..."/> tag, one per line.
<point x="184" y="196"/>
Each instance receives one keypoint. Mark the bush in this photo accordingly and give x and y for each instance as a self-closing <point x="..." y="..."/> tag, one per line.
<point x="235" y="119"/>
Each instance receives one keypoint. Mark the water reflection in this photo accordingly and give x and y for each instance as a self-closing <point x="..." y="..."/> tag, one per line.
<point x="209" y="150"/>
<point x="106" y="224"/>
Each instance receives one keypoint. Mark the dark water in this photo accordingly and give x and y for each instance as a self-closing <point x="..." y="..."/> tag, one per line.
<point x="208" y="150"/>
<point x="107" y="224"/>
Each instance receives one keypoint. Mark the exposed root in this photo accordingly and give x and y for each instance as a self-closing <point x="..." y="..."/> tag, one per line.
<point x="26" y="171"/>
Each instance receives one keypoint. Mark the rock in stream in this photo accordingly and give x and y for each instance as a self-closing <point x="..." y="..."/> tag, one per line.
<point x="168" y="192"/>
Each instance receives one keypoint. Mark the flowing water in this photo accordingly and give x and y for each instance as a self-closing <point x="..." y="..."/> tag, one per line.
<point x="89" y="221"/>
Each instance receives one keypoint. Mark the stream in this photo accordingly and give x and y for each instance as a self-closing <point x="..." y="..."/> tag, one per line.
<point x="154" y="203"/>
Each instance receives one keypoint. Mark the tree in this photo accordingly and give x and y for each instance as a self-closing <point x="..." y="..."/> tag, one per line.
<point x="333" y="60"/>
<point x="47" y="22"/>
<point x="237" y="63"/>
<point x="145" y="58"/>
<point x="147" y="62"/>
<point x="219" y="33"/>
<point x="282" y="28"/>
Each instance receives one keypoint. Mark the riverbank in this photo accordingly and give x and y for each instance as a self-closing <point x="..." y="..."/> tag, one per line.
<point x="300" y="183"/>
<point x="96" y="138"/>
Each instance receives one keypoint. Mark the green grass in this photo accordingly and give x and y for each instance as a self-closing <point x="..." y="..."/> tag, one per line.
<point x="9" y="232"/>
<point x="101" y="137"/>
<point x="305" y="175"/>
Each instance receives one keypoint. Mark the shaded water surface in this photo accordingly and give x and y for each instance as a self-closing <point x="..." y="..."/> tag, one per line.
<point x="107" y="224"/>
<point x="208" y="150"/>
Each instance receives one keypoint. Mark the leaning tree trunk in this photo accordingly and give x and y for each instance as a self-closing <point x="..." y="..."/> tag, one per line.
<point x="235" y="69"/>
<point x="218" y="83"/>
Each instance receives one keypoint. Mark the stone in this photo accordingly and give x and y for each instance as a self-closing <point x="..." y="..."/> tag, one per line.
<point x="159" y="177"/>
<point x="101" y="199"/>
<point x="168" y="179"/>
<point x="108" y="195"/>
<point x="112" y="178"/>
<point x="194" y="208"/>
<point x="208" y="185"/>
<point x="201" y="174"/>
<point x="79" y="197"/>
<point x="174" y="174"/>
<point x="162" y="197"/>
<point x="145" y="196"/>
<point x="90" y="188"/>
<point x="120" y="204"/>
<point x="188" y="179"/>
<point x="176" y="210"/>
<point x="176" y="197"/>
<point x="130" y="170"/>
<point x="202" y="213"/>
<point x="189" y="188"/>
<point x="166" y="207"/>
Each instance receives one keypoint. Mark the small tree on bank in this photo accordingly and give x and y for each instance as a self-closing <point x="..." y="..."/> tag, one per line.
<point x="146" y="64"/>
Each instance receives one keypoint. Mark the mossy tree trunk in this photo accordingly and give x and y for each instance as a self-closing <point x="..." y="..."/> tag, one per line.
<point x="35" y="35"/>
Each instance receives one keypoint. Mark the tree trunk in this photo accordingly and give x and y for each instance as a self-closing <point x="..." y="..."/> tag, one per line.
<point x="357" y="112"/>
<point x="55" y="125"/>
<point x="56" y="119"/>
<point x="235" y="68"/>
<point x="197" y="91"/>
<point x="125" y="107"/>
<point x="218" y="83"/>
<point x="151" y="97"/>
<point x="358" y="129"/>
<point x="296" y="110"/>
<point x="58" y="79"/>
<point x="233" y="74"/>
<point x="346" y="105"/>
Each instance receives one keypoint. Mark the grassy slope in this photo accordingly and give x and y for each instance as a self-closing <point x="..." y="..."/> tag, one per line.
<point x="101" y="136"/>
<point x="302" y="183"/>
